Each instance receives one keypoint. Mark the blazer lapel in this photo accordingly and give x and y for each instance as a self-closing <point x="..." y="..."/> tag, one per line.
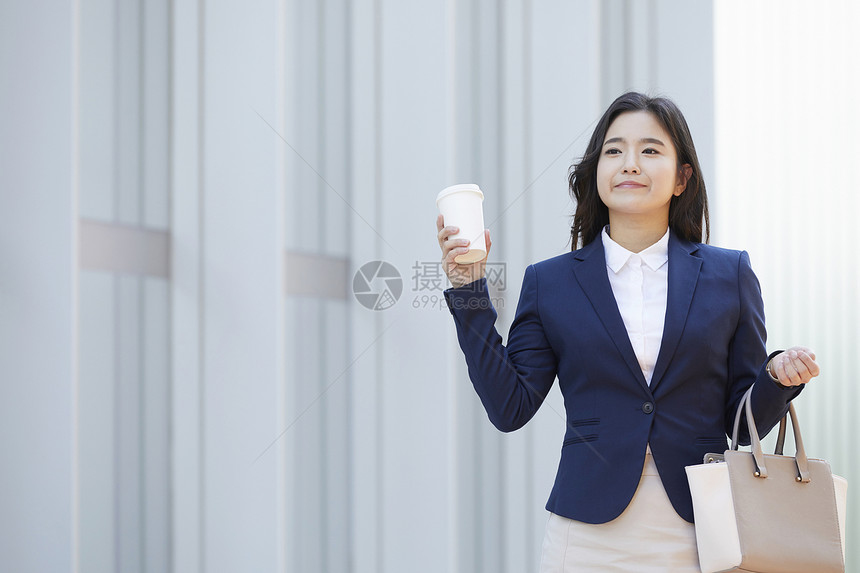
<point x="590" y="271"/>
<point x="683" y="275"/>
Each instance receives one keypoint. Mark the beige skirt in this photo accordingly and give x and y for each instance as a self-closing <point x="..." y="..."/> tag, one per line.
<point x="649" y="536"/>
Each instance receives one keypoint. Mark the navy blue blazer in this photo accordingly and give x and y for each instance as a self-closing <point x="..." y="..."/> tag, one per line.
<point x="567" y="325"/>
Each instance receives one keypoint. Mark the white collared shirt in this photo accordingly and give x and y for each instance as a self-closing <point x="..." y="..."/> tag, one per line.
<point x="640" y="284"/>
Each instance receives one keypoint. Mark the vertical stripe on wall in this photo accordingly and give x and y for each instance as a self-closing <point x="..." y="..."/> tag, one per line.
<point x="187" y="365"/>
<point x="121" y="103"/>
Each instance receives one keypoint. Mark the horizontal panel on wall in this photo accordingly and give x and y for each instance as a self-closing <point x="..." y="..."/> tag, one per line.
<point x="323" y="276"/>
<point x="124" y="249"/>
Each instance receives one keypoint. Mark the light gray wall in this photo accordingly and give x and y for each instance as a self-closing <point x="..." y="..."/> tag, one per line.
<point x="38" y="287"/>
<point x="236" y="165"/>
<point x="228" y="226"/>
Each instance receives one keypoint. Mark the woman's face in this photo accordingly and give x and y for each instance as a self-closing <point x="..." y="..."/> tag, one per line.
<point x="637" y="173"/>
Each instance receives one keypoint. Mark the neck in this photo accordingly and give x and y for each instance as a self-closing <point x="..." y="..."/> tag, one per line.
<point x="636" y="236"/>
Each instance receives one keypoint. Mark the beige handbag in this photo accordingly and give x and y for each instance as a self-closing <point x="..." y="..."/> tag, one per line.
<point x="768" y="513"/>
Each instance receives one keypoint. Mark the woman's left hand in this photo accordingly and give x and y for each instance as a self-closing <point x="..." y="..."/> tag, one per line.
<point x="794" y="366"/>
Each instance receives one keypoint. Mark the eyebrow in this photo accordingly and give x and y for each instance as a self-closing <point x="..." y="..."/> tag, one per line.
<point x="643" y="140"/>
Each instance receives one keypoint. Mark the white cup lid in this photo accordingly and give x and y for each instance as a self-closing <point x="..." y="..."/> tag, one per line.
<point x="472" y="187"/>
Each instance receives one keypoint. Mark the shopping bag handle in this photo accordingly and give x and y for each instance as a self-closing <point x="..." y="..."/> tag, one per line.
<point x="755" y="443"/>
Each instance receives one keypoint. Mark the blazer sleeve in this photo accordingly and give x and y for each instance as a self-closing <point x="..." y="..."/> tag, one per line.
<point x="512" y="382"/>
<point x="769" y="399"/>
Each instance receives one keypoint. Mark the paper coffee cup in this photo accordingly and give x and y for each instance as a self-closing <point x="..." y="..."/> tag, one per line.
<point x="462" y="207"/>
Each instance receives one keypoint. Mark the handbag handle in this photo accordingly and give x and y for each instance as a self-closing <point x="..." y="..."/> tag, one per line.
<point x="755" y="443"/>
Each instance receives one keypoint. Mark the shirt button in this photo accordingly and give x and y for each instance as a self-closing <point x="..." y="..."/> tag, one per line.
<point x="647" y="407"/>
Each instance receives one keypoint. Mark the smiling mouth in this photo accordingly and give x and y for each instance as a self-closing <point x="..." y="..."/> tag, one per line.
<point x="629" y="185"/>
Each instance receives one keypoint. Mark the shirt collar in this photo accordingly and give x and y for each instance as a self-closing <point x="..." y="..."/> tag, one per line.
<point x="617" y="256"/>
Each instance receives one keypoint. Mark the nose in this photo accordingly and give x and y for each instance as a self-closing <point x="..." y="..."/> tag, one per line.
<point x="630" y="165"/>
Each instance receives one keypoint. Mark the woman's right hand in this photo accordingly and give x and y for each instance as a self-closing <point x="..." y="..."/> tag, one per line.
<point x="459" y="274"/>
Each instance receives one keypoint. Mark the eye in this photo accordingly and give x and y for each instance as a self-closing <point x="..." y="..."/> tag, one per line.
<point x="650" y="151"/>
<point x="612" y="151"/>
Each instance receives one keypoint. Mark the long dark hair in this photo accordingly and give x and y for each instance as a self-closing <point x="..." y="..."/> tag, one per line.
<point x="688" y="212"/>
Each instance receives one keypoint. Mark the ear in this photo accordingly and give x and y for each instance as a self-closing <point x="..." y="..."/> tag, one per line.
<point x="683" y="176"/>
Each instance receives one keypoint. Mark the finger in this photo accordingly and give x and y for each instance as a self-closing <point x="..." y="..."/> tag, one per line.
<point x="792" y="373"/>
<point x="780" y="371"/>
<point x="801" y="369"/>
<point x="805" y="349"/>
<point x="811" y="365"/>
<point x="453" y="245"/>
<point x="453" y="253"/>
<point x="487" y="240"/>
<point x="440" y="222"/>
<point x="446" y="232"/>
<point x="461" y="251"/>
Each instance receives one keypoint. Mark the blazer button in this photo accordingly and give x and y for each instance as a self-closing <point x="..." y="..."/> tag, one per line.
<point x="647" y="407"/>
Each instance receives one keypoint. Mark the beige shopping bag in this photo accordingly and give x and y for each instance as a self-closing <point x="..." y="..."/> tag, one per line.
<point x="768" y="513"/>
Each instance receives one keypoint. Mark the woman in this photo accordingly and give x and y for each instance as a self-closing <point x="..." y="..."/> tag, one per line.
<point x="654" y="338"/>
